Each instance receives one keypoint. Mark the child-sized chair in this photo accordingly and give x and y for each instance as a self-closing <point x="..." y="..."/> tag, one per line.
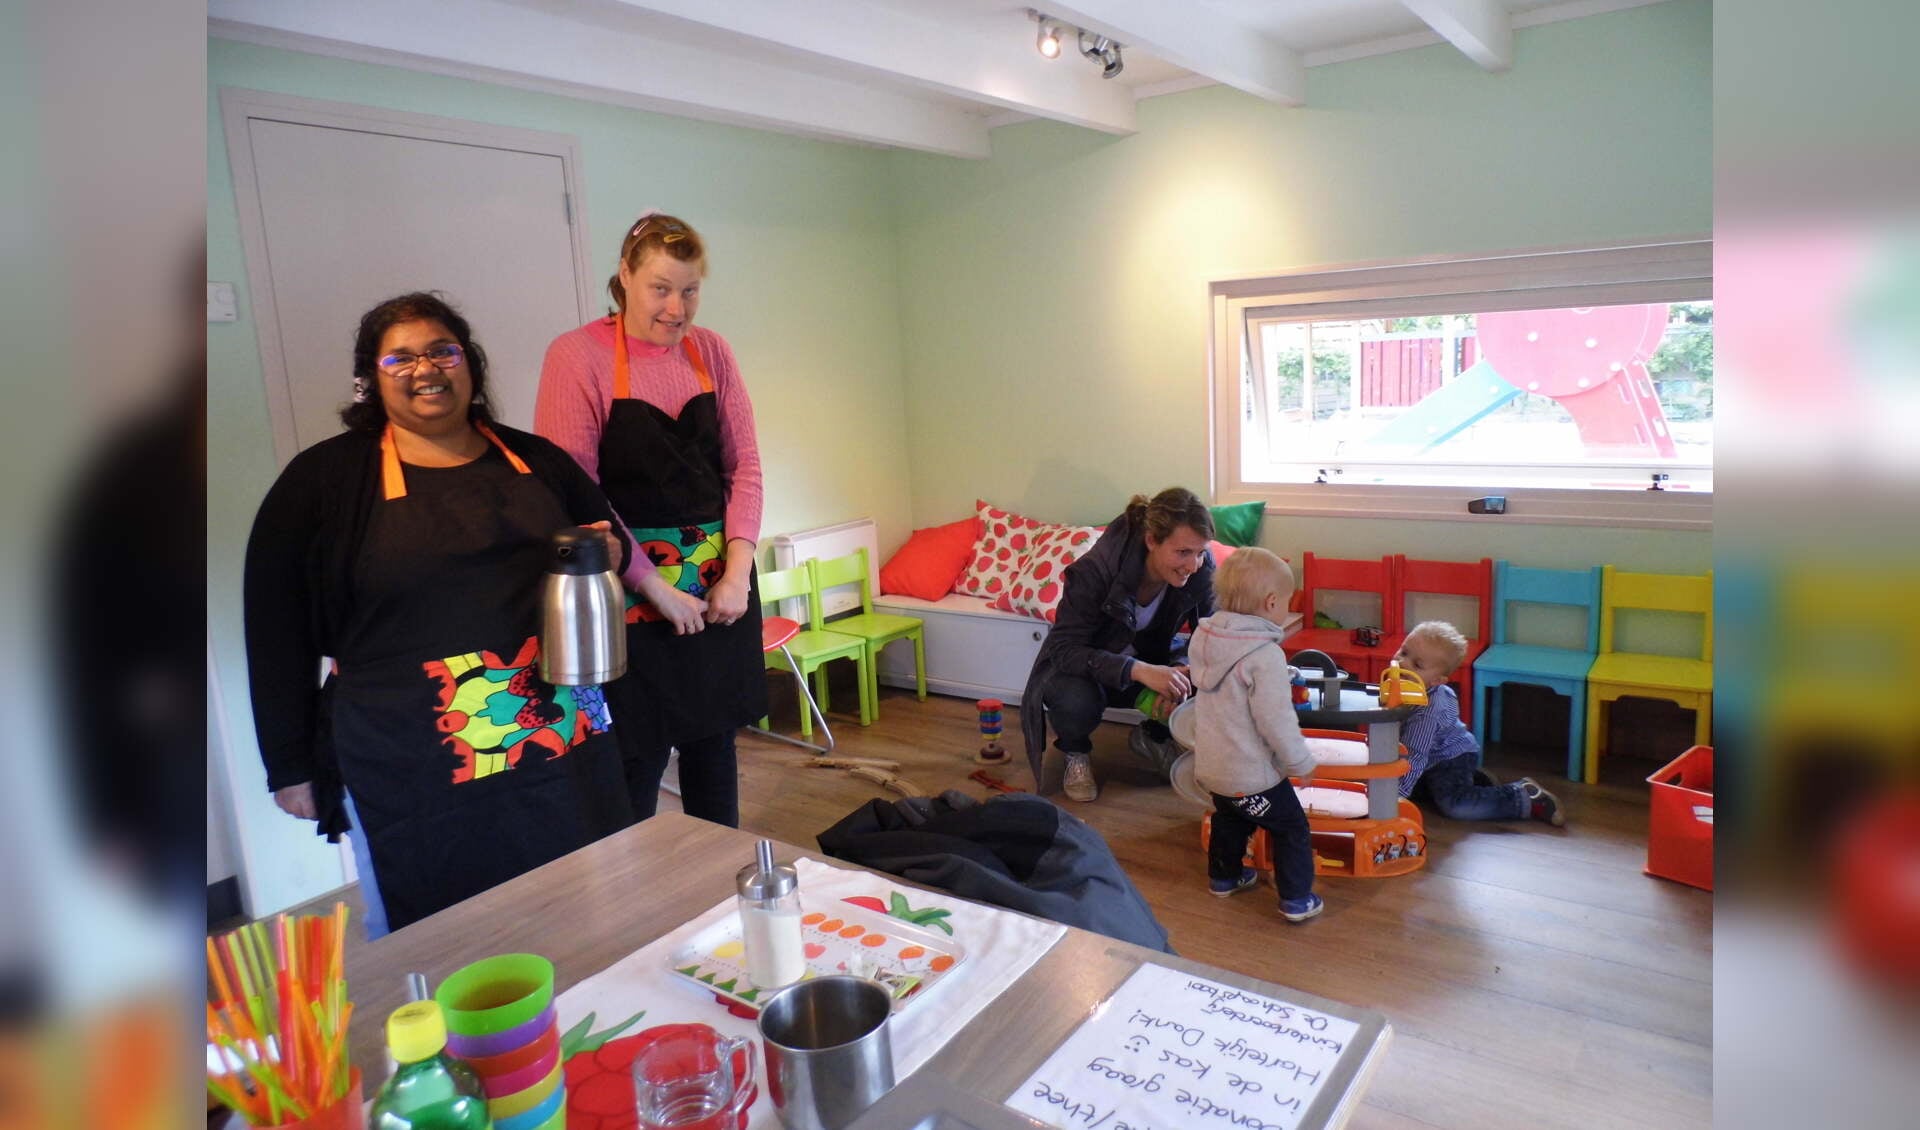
<point x="1446" y="578"/>
<point x="1559" y="669"/>
<point x="1344" y="575"/>
<point x="878" y="629"/>
<point x="804" y="651"/>
<point x="1684" y="681"/>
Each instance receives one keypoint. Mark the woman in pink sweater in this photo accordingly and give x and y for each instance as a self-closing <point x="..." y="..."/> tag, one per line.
<point x="654" y="409"/>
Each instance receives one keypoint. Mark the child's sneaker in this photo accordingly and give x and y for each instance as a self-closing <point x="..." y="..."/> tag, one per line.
<point x="1079" y="781"/>
<point x="1299" y="910"/>
<point x="1221" y="888"/>
<point x="1544" y="806"/>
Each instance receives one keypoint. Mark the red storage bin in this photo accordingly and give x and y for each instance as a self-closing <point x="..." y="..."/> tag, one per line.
<point x="1680" y="832"/>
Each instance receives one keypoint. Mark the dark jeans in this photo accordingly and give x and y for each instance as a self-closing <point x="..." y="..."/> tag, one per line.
<point x="1451" y="787"/>
<point x="1074" y="705"/>
<point x="1291" y="840"/>
<point x="709" y="779"/>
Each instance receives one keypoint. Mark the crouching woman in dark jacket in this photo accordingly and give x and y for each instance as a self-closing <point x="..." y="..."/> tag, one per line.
<point x="1129" y="606"/>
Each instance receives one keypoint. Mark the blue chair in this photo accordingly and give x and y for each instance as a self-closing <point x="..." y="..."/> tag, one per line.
<point x="1558" y="669"/>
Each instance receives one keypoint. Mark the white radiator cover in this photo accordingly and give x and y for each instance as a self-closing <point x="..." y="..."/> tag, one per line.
<point x="825" y="543"/>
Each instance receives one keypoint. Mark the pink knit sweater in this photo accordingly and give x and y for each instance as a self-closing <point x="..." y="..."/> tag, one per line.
<point x="576" y="396"/>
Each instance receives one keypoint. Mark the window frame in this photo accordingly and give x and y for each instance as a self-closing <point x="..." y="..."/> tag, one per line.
<point x="1666" y="270"/>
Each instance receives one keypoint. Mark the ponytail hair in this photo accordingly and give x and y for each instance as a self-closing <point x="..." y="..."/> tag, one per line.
<point x="1169" y="510"/>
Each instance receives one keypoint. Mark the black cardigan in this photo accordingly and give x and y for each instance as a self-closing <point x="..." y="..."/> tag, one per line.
<point x="298" y="590"/>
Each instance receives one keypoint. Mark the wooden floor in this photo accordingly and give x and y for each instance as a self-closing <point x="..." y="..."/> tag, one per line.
<point x="1534" y="977"/>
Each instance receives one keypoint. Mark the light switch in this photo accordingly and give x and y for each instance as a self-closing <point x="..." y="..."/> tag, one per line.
<point x="221" y="306"/>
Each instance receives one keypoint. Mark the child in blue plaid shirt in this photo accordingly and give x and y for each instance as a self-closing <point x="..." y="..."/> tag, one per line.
<point x="1440" y="748"/>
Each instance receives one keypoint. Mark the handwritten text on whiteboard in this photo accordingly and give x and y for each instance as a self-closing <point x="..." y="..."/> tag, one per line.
<point x="1171" y="1050"/>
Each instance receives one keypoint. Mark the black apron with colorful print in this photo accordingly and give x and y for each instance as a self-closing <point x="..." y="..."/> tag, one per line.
<point x="664" y="477"/>
<point x="465" y="768"/>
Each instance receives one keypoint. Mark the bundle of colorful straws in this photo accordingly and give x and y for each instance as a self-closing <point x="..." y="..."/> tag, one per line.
<point x="280" y="1017"/>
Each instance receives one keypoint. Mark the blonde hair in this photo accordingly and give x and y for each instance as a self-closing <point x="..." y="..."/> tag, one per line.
<point x="1448" y="637"/>
<point x="1244" y="579"/>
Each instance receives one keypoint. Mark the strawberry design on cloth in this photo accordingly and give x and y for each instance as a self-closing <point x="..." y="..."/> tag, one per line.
<point x="999" y="552"/>
<point x="898" y="907"/>
<point x="600" y="1093"/>
<point x="1037" y="588"/>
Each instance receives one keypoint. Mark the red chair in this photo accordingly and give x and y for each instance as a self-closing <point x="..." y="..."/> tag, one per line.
<point x="1446" y="578"/>
<point x="1345" y="575"/>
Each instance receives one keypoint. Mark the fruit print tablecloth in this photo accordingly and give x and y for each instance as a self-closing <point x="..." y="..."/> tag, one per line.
<point x="1000" y="946"/>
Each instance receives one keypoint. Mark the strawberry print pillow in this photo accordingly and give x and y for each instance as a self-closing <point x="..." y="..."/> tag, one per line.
<point x="1037" y="588"/>
<point x="1004" y="541"/>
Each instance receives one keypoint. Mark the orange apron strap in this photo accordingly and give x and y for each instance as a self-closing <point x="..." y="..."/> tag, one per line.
<point x="622" y="379"/>
<point x="518" y="463"/>
<point x="393" y="483"/>
<point x="699" y="366"/>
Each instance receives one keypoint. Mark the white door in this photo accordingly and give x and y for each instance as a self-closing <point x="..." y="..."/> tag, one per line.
<point x="351" y="216"/>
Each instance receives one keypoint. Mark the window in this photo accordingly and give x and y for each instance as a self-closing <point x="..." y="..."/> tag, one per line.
<point x="1570" y="383"/>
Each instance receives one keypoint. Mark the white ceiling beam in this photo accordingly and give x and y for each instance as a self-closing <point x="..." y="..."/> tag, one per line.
<point x="515" y="45"/>
<point x="1482" y="30"/>
<point x="1201" y="40"/>
<point x="980" y="63"/>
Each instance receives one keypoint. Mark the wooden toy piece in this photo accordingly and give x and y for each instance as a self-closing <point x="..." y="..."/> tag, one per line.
<point x="991" y="751"/>
<point x="1299" y="682"/>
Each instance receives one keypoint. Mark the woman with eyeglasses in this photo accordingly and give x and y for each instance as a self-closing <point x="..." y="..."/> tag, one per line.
<point x="654" y="408"/>
<point x="411" y="551"/>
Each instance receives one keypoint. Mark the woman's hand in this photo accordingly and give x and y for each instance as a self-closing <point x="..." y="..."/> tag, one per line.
<point x="727" y="600"/>
<point x="1174" y="683"/>
<point x="297" y="800"/>
<point x="683" y="610"/>
<point x="613" y="541"/>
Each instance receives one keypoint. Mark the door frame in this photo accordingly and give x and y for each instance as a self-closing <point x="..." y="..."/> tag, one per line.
<point x="238" y="105"/>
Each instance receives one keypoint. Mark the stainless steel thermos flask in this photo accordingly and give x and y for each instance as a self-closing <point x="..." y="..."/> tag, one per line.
<point x="583" y="630"/>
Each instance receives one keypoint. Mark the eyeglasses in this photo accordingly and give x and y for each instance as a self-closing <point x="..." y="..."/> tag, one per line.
<point x="440" y="357"/>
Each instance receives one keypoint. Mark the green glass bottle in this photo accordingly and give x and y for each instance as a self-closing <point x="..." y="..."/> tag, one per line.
<point x="430" y="1089"/>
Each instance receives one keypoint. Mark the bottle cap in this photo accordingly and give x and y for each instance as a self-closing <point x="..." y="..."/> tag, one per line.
<point x="416" y="1031"/>
<point x="762" y="879"/>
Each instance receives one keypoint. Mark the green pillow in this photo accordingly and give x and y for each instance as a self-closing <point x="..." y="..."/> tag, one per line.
<point x="1238" y="525"/>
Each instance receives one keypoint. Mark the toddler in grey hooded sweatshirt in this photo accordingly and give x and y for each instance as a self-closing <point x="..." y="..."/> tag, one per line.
<point x="1247" y="736"/>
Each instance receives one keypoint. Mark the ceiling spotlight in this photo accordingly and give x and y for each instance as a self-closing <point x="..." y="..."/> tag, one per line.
<point x="1049" y="41"/>
<point x="1103" y="51"/>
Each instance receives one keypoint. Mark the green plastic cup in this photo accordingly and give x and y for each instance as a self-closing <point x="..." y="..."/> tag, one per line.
<point x="496" y="993"/>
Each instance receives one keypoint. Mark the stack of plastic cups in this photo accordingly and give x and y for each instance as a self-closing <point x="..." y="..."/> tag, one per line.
<point x="500" y="1020"/>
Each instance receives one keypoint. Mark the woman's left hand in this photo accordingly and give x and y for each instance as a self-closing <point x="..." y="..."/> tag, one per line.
<point x="727" y="600"/>
<point x="613" y="541"/>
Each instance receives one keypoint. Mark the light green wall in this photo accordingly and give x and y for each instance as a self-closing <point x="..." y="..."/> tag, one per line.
<point x="801" y="246"/>
<point x="1055" y="295"/>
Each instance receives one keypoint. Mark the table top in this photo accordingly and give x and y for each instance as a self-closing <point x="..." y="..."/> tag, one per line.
<point x="589" y="909"/>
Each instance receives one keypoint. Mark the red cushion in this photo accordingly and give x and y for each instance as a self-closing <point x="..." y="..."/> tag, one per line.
<point x="1220" y="550"/>
<point x="932" y="560"/>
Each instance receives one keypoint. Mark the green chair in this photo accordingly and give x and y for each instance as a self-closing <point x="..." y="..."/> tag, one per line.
<point x="804" y="651"/>
<point x="877" y="628"/>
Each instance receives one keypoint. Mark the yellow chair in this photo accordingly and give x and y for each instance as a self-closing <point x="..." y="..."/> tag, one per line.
<point x="877" y="628"/>
<point x="804" y="651"/>
<point x="1685" y="681"/>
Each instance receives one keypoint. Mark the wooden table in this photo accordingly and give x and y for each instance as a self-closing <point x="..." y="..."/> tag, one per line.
<point x="590" y="909"/>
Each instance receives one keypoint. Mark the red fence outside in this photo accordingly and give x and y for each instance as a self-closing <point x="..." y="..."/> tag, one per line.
<point x="1399" y="371"/>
